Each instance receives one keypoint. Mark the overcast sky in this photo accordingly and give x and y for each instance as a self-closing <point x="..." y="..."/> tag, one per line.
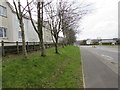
<point x="102" y="22"/>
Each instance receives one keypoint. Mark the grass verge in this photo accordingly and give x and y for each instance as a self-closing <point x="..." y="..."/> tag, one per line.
<point x="52" y="71"/>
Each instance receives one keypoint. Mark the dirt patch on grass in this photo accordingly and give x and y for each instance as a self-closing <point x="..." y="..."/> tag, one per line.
<point x="56" y="74"/>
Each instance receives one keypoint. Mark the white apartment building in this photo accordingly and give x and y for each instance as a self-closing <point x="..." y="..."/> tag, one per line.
<point x="10" y="30"/>
<point x="89" y="41"/>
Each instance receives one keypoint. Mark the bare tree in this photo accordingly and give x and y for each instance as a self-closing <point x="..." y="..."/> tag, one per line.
<point x="20" y="16"/>
<point x="39" y="28"/>
<point x="71" y="14"/>
<point x="62" y="17"/>
<point x="54" y="22"/>
<point x="70" y="37"/>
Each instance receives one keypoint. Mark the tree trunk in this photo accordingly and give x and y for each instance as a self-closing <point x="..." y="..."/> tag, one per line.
<point x="63" y="45"/>
<point x="56" y="46"/>
<point x="23" y="40"/>
<point x="20" y="17"/>
<point x="42" y="47"/>
<point x="40" y="25"/>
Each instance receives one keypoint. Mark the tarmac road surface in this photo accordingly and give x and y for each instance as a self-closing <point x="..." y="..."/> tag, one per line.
<point x="100" y="66"/>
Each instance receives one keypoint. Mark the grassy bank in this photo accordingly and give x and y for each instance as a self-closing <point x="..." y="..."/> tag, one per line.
<point x="109" y="45"/>
<point x="53" y="71"/>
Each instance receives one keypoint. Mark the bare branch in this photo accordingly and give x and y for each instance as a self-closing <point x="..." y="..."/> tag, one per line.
<point x="29" y="11"/>
<point x="27" y="6"/>
<point x="16" y="10"/>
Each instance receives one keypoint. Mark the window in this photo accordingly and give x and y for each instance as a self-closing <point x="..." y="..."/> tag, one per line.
<point x="3" y="11"/>
<point x="19" y="34"/>
<point x="3" y="32"/>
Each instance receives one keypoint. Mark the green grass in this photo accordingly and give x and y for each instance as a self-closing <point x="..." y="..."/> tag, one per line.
<point x="110" y="45"/>
<point x="107" y="45"/>
<point x="52" y="71"/>
<point x="101" y="45"/>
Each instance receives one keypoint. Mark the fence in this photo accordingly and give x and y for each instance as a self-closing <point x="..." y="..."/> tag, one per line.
<point x="16" y="47"/>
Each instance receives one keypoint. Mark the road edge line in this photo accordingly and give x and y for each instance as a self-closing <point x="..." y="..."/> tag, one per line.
<point x="82" y="70"/>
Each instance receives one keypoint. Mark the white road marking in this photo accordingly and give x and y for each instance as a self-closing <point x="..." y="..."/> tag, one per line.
<point x="107" y="57"/>
<point x="105" y="49"/>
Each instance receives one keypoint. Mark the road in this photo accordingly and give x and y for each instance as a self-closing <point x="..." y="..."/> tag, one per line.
<point x="100" y="66"/>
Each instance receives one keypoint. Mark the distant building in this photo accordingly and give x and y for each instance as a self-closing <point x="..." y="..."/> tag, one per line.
<point x="82" y="42"/>
<point x="108" y="41"/>
<point x="100" y="41"/>
<point x="89" y="41"/>
<point x="92" y="41"/>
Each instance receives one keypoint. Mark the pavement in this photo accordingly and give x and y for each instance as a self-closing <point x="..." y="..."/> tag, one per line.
<point x="100" y="66"/>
